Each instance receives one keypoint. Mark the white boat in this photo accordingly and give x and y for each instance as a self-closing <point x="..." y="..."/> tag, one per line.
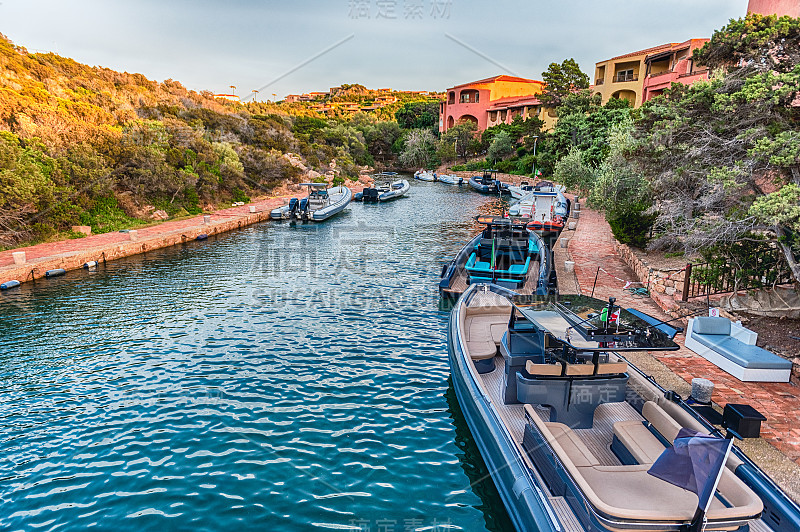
<point x="546" y="206"/>
<point x="320" y="204"/>
<point x="424" y="175"/>
<point x="450" y="179"/>
<point x="385" y="188"/>
<point x="521" y="190"/>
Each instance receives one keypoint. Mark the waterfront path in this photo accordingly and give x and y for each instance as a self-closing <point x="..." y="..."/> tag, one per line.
<point x="72" y="254"/>
<point x="592" y="245"/>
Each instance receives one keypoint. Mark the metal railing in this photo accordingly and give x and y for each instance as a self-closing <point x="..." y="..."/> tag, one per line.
<point x="765" y="269"/>
<point x="620" y="78"/>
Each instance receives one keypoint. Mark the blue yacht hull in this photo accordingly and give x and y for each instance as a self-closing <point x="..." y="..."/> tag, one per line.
<point x="523" y="499"/>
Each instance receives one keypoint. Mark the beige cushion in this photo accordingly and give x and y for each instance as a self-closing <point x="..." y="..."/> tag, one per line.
<point x="572" y="445"/>
<point x="629" y="492"/>
<point x="553" y="370"/>
<point x="481" y="349"/>
<point x="661" y="421"/>
<point x="579" y="369"/>
<point x="612" y="368"/>
<point x="639" y="441"/>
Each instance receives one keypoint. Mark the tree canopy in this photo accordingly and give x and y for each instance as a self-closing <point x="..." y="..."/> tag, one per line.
<point x="561" y="80"/>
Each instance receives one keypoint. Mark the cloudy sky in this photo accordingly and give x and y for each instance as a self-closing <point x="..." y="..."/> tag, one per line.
<point x="302" y="45"/>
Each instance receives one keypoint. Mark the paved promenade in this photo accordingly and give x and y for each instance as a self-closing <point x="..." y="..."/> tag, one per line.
<point x="592" y="245"/>
<point x="72" y="254"/>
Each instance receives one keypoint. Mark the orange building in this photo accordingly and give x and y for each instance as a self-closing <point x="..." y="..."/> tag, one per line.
<point x="672" y="65"/>
<point x="639" y="76"/>
<point x="490" y="101"/>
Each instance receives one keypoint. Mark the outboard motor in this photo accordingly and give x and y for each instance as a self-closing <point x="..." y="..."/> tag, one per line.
<point x="460" y="181"/>
<point x="294" y="204"/>
<point x="304" y="208"/>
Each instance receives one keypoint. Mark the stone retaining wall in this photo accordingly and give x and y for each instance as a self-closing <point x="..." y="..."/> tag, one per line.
<point x="36" y="268"/>
<point x="665" y="286"/>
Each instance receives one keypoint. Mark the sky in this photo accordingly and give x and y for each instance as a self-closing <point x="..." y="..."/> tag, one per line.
<point x="291" y="47"/>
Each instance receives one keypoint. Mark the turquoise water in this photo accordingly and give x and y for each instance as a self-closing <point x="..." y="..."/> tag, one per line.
<point x="275" y="378"/>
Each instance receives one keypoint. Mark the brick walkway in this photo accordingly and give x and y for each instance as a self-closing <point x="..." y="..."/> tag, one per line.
<point x="592" y="245"/>
<point x="51" y="249"/>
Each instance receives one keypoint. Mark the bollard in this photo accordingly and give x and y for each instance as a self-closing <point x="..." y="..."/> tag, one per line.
<point x="252" y="208"/>
<point x="569" y="266"/>
<point x="207" y="219"/>
<point x="133" y="234"/>
<point x="702" y="389"/>
<point x="573" y="225"/>
<point x="19" y="257"/>
<point x="564" y="242"/>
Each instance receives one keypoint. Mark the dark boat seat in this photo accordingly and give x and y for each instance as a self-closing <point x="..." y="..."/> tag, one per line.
<point x="628" y="492"/>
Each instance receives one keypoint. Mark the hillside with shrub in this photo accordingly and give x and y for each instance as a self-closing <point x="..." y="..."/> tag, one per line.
<point x="83" y="145"/>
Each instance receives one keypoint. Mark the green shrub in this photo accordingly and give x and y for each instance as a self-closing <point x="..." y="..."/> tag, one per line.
<point x="631" y="226"/>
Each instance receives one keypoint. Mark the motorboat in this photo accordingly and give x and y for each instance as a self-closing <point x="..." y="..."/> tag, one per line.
<point x="425" y="175"/>
<point x="386" y="186"/>
<point x="521" y="190"/>
<point x="320" y="204"/>
<point x="545" y="207"/>
<point x="572" y="431"/>
<point x="450" y="179"/>
<point x="506" y="253"/>
<point x="488" y="183"/>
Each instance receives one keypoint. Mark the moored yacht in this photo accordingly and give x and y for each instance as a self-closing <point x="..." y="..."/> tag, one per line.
<point x="505" y="253"/>
<point x="320" y="204"/>
<point x="571" y="431"/>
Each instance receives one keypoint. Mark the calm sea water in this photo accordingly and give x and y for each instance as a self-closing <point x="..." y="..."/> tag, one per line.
<point x="275" y="378"/>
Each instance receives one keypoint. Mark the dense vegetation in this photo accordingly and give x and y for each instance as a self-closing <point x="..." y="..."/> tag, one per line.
<point x="708" y="165"/>
<point x="84" y="145"/>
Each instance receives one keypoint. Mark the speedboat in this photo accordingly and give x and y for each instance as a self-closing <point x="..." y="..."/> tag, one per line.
<point x="320" y="204"/>
<point x="488" y="183"/>
<point x="521" y="190"/>
<point x="505" y="253"/>
<point x="385" y="187"/>
<point x="450" y="179"/>
<point x="425" y="175"/>
<point x="577" y="438"/>
<point x="545" y="207"/>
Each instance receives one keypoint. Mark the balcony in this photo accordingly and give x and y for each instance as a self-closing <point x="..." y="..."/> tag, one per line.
<point x="624" y="77"/>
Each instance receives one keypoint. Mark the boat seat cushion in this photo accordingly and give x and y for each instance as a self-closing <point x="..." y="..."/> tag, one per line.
<point x="709" y="325"/>
<point x="484" y="328"/>
<point x="740" y="353"/>
<point x="629" y="492"/>
<point x="639" y="441"/>
<point x="572" y="445"/>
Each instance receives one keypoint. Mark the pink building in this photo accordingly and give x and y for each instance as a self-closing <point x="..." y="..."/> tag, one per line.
<point x="672" y="64"/>
<point x="481" y="102"/>
<point x="775" y="7"/>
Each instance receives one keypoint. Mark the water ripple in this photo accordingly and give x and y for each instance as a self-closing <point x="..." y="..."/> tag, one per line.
<point x="277" y="377"/>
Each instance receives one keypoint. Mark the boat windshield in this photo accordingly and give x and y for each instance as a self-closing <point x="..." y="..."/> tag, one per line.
<point x="592" y="325"/>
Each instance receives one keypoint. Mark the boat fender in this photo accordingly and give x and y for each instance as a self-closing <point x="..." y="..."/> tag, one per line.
<point x="90" y="264"/>
<point x="58" y="272"/>
<point x="202" y="237"/>
<point x="9" y="284"/>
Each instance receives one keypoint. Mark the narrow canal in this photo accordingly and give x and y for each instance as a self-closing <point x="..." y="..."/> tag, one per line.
<point x="275" y="378"/>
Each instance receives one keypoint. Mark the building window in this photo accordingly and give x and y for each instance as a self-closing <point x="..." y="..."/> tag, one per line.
<point x="625" y="75"/>
<point x="451" y="99"/>
<point x="469" y="96"/>
<point x="492" y="116"/>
